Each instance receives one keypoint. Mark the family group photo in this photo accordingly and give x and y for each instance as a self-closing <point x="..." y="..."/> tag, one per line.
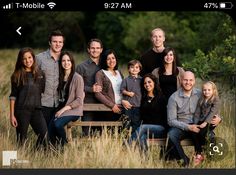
<point x="118" y="90"/>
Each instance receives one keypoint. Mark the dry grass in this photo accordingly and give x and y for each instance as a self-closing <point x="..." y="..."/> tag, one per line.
<point x="106" y="151"/>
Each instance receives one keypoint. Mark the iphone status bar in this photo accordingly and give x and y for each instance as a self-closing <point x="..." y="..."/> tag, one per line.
<point x="90" y="5"/>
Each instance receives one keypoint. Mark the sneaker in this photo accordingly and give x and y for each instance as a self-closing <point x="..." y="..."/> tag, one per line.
<point x="198" y="159"/>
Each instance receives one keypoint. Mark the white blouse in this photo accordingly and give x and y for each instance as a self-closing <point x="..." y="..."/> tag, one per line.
<point x="116" y="83"/>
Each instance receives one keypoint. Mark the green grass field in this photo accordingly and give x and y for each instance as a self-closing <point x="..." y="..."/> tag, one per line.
<point x="105" y="151"/>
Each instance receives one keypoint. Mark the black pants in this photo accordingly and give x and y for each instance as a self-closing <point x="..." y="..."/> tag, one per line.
<point x="48" y="113"/>
<point x="36" y="120"/>
<point x="200" y="138"/>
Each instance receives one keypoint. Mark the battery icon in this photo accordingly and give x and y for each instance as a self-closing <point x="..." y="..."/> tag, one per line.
<point x="226" y="5"/>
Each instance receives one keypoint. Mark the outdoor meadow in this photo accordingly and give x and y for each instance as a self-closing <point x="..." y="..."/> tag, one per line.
<point x="105" y="151"/>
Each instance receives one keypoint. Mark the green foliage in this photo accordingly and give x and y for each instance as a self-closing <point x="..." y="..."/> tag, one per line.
<point x="199" y="65"/>
<point x="219" y="61"/>
<point x="139" y="25"/>
<point x="204" y="41"/>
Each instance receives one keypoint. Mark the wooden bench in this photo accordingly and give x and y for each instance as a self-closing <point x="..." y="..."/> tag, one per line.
<point x="102" y="107"/>
<point x="91" y="107"/>
<point x="164" y="141"/>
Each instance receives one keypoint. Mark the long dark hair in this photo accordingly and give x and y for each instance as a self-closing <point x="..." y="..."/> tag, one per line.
<point x="62" y="71"/>
<point x="156" y="90"/>
<point x="175" y="70"/>
<point x="19" y="75"/>
<point x="103" y="60"/>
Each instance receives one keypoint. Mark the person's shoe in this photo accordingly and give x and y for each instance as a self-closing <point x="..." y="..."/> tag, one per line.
<point x="198" y="159"/>
<point x="184" y="163"/>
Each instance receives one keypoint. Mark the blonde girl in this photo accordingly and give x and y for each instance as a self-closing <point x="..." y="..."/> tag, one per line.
<point x="208" y="107"/>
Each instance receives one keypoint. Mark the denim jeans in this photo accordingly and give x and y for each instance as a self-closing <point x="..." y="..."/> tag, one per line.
<point x="175" y="136"/>
<point x="134" y="116"/>
<point x="56" y="129"/>
<point x="146" y="131"/>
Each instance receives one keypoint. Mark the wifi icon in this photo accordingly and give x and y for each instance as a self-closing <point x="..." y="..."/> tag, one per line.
<point x="51" y="4"/>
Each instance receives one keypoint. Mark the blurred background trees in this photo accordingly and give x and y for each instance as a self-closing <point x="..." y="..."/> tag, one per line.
<point x="204" y="41"/>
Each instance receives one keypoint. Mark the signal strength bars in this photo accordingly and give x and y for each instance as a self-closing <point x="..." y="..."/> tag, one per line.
<point x="8" y="6"/>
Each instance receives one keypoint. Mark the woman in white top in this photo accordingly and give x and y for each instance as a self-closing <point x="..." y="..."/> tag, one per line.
<point x="110" y="78"/>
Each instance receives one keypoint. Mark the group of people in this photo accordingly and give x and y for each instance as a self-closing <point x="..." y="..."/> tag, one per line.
<point x="159" y="97"/>
<point x="46" y="93"/>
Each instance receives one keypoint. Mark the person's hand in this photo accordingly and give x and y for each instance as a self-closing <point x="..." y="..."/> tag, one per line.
<point x="13" y="121"/>
<point x="216" y="120"/>
<point x="203" y="125"/>
<point x="126" y="104"/>
<point x="131" y="94"/>
<point x="116" y="109"/>
<point x="58" y="113"/>
<point x="61" y="111"/>
<point x="194" y="128"/>
<point x="97" y="88"/>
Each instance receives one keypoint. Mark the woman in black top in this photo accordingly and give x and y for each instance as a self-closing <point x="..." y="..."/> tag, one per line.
<point x="153" y="112"/>
<point x="27" y="84"/>
<point x="169" y="74"/>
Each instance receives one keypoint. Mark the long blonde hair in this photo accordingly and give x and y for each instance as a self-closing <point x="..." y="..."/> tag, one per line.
<point x="215" y="92"/>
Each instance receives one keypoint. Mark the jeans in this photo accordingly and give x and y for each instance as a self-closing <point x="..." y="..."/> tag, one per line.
<point x="174" y="146"/>
<point x="56" y="129"/>
<point x="146" y="131"/>
<point x="134" y="116"/>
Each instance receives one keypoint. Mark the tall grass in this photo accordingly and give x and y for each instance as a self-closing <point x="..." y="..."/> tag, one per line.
<point x="106" y="151"/>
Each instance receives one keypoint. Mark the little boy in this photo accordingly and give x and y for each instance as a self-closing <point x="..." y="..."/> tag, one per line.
<point x="131" y="90"/>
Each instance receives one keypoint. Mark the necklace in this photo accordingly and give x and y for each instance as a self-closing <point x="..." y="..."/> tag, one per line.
<point x="150" y="99"/>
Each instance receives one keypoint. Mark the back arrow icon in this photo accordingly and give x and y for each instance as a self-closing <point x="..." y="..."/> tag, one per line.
<point x="18" y="30"/>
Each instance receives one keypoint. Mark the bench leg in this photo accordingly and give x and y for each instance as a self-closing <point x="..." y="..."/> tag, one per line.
<point x="69" y="134"/>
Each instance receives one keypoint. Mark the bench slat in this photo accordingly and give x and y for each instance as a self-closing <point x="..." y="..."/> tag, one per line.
<point x="95" y="107"/>
<point x="162" y="142"/>
<point x="102" y="107"/>
<point x="94" y="123"/>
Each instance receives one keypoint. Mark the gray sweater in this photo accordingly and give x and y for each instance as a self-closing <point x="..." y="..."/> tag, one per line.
<point x="206" y="111"/>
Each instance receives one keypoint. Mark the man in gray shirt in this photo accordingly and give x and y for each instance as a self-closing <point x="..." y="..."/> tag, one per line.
<point x="180" y="110"/>
<point x="87" y="70"/>
<point x="48" y="63"/>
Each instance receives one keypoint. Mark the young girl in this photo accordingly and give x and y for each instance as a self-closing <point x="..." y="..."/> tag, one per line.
<point x="71" y="93"/>
<point x="27" y="84"/>
<point x="208" y="107"/>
